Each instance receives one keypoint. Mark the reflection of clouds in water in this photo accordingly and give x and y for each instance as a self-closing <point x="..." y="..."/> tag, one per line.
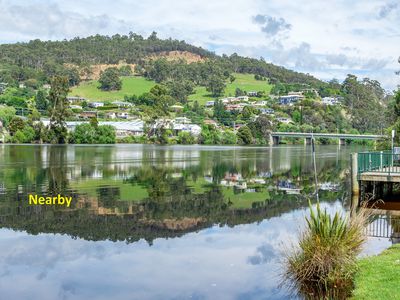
<point x="216" y="263"/>
<point x="265" y="254"/>
<point x="46" y="251"/>
<point x="261" y="294"/>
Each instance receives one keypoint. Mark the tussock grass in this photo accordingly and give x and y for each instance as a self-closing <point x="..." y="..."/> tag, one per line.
<point x="324" y="264"/>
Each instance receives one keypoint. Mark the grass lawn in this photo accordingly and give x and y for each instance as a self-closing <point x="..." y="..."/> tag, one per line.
<point x="379" y="276"/>
<point x="134" y="85"/>
<point x="244" y="200"/>
<point x="245" y="82"/>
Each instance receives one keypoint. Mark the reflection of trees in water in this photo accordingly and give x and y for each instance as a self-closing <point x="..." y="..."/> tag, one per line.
<point x="108" y="196"/>
<point x="57" y="171"/>
<point x="171" y="208"/>
<point x="150" y="220"/>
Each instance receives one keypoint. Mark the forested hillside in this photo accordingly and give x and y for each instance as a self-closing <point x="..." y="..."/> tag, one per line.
<point x="37" y="61"/>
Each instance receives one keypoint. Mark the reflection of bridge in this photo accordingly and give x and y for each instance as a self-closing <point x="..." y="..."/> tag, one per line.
<point x="342" y="137"/>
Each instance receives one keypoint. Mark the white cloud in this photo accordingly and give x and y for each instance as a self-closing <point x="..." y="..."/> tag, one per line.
<point x="318" y="37"/>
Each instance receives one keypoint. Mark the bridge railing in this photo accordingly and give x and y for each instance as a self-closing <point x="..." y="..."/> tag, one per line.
<point x="379" y="162"/>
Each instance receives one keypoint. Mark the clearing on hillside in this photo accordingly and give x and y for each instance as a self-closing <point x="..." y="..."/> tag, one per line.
<point x="137" y="85"/>
<point x="245" y="82"/>
<point x="132" y="85"/>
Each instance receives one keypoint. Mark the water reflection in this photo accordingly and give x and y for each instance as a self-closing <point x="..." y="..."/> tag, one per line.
<point x="225" y="204"/>
<point x="133" y="192"/>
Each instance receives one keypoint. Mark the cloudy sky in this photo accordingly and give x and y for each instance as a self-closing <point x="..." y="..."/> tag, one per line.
<point x="326" y="39"/>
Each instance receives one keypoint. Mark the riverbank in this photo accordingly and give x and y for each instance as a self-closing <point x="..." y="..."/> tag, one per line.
<point x="378" y="276"/>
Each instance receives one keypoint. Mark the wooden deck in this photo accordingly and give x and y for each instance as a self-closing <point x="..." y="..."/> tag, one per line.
<point x="382" y="174"/>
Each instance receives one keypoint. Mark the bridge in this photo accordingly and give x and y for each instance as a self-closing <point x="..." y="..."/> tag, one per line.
<point x="342" y="137"/>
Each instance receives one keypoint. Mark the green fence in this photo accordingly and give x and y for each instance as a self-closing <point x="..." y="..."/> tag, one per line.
<point x="378" y="162"/>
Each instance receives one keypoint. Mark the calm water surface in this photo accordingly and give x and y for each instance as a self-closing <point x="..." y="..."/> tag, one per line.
<point x="152" y="222"/>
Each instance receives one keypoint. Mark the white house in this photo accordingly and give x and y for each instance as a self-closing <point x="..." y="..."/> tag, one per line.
<point x="289" y="99"/>
<point x="122" y="115"/>
<point x="95" y="104"/>
<point x="330" y="101"/>
<point x="284" y="120"/>
<point x="182" y="120"/>
<point x="122" y="104"/>
<point x="210" y="103"/>
<point x="267" y="111"/>
<point x="122" y="129"/>
<point x="193" y="129"/>
<point x="111" y="115"/>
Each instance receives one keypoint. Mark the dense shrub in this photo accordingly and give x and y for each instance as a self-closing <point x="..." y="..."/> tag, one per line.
<point x="325" y="263"/>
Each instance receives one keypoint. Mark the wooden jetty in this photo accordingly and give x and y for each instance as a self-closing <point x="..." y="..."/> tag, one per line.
<point x="374" y="174"/>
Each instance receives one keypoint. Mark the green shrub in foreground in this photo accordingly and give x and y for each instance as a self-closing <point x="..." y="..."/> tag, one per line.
<point x="324" y="264"/>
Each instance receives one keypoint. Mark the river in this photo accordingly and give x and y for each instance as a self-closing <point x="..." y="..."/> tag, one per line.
<point x="160" y="222"/>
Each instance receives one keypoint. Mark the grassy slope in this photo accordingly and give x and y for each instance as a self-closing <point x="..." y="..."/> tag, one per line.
<point x="130" y="86"/>
<point x="139" y="85"/>
<point x="379" y="276"/>
<point x="245" y="82"/>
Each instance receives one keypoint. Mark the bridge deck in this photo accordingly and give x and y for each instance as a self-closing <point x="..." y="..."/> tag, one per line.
<point x="327" y="135"/>
<point x="385" y="174"/>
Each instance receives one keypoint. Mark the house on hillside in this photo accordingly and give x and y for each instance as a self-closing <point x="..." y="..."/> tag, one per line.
<point x="87" y="114"/>
<point x="122" y="104"/>
<point x="211" y="122"/>
<point x="122" y="115"/>
<point x="193" y="129"/>
<point x="210" y="103"/>
<point x="74" y="99"/>
<point x="95" y="104"/>
<point x="284" y="120"/>
<point x="182" y="120"/>
<point x="300" y="94"/>
<point x="330" y="101"/>
<point x="289" y="99"/>
<point x="111" y="115"/>
<point x="252" y="94"/>
<point x="267" y="111"/>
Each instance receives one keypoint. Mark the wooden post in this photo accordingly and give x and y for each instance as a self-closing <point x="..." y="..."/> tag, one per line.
<point x="355" y="187"/>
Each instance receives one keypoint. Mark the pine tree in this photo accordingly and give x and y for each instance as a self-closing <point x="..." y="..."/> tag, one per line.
<point x="58" y="110"/>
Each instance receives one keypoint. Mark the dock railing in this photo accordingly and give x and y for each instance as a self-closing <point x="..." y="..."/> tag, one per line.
<point x="379" y="162"/>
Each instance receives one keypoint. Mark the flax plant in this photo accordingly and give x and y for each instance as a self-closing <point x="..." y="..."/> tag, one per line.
<point x="324" y="264"/>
